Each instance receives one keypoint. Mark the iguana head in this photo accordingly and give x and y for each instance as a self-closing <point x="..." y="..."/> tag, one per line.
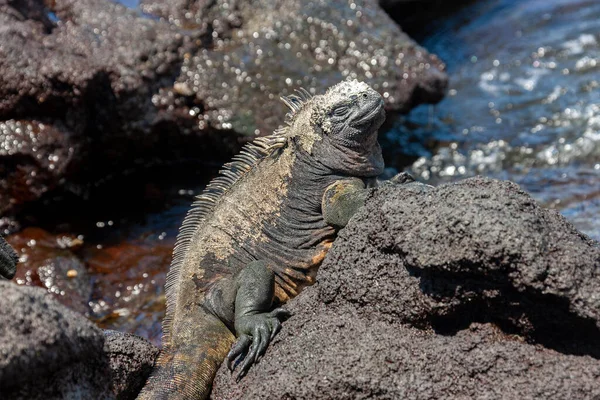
<point x="339" y="129"/>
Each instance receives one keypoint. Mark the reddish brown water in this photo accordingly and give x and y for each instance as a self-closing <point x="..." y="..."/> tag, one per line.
<point x="111" y="268"/>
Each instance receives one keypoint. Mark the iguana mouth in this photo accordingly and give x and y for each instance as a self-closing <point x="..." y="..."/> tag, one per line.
<point x="370" y="116"/>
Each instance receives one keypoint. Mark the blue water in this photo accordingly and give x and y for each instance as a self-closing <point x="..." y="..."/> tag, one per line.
<point x="129" y="3"/>
<point x="523" y="104"/>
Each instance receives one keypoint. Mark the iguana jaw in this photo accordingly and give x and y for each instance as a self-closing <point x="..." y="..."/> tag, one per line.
<point x="363" y="130"/>
<point x="374" y="114"/>
<point x="365" y="161"/>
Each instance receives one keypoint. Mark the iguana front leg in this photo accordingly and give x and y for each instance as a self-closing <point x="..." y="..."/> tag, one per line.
<point x="342" y="199"/>
<point x="255" y="323"/>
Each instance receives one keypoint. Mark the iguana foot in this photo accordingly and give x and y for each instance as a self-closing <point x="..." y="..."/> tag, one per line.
<point x="255" y="333"/>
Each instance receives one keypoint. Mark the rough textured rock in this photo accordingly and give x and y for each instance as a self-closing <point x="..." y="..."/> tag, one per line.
<point x="264" y="49"/>
<point x="97" y="51"/>
<point x="476" y="250"/>
<point x="76" y="93"/>
<point x="8" y="260"/>
<point x="48" y="351"/>
<point x="131" y="361"/>
<point x="468" y="290"/>
<point x="337" y="354"/>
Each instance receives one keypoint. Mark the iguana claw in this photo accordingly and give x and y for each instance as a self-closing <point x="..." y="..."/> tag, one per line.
<point x="255" y="333"/>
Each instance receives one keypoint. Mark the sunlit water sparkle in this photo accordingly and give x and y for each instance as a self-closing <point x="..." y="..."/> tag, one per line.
<point x="523" y="103"/>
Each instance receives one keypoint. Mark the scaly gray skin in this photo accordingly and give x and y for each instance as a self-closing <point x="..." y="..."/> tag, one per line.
<point x="8" y="260"/>
<point x="258" y="233"/>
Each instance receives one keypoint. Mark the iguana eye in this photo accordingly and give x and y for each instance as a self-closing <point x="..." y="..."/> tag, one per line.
<point x="340" y="111"/>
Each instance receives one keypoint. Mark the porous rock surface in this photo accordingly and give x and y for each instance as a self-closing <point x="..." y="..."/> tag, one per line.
<point x="48" y="351"/>
<point x="467" y="290"/>
<point x="131" y="361"/>
<point x="89" y="89"/>
<point x="8" y="260"/>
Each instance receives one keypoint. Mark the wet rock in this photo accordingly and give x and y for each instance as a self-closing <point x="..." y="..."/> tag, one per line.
<point x="48" y="261"/>
<point x="82" y="61"/>
<point x="76" y="93"/>
<point x="33" y="10"/>
<point x="34" y="156"/>
<point x="264" y="49"/>
<point x="86" y="84"/>
<point x="417" y="16"/>
<point x="460" y="291"/>
<point x="131" y="361"/>
<point x="8" y="260"/>
<point x="48" y="351"/>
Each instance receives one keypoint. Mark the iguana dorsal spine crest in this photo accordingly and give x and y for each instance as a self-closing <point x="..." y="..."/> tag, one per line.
<point x="250" y="155"/>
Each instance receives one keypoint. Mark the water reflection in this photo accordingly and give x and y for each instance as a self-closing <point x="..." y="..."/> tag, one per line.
<point x="523" y="103"/>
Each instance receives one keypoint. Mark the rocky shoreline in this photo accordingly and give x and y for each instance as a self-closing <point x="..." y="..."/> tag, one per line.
<point x="48" y="351"/>
<point x="459" y="291"/>
<point x="108" y="113"/>
<point x="463" y="290"/>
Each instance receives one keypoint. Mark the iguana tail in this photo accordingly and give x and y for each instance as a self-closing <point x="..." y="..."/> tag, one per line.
<point x="188" y="363"/>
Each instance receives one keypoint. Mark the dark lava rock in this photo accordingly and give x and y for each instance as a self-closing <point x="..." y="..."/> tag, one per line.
<point x="264" y="49"/>
<point x="34" y="156"/>
<point x="76" y="93"/>
<point x="95" y="52"/>
<point x="8" y="260"/>
<point x="476" y="250"/>
<point x="48" y="261"/>
<point x="467" y="290"/>
<point x="48" y="351"/>
<point x="131" y="361"/>
<point x="90" y="89"/>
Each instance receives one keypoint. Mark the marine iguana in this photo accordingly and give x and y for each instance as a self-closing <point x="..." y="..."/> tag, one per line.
<point x="257" y="234"/>
<point x="8" y="260"/>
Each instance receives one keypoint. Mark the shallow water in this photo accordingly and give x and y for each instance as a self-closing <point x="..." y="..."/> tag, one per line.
<point x="523" y="104"/>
